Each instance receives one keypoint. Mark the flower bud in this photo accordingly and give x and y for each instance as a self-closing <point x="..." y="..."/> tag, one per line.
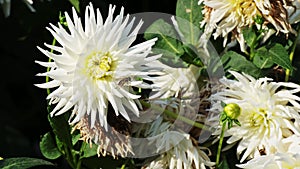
<point x="232" y="110"/>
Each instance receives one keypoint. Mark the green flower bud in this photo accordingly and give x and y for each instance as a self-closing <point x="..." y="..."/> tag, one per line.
<point x="259" y="19"/>
<point x="232" y="110"/>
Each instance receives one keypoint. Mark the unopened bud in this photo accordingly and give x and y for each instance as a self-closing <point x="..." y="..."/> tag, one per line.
<point x="232" y="110"/>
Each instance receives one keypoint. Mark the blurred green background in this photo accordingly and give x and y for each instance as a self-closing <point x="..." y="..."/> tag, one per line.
<point x="23" y="115"/>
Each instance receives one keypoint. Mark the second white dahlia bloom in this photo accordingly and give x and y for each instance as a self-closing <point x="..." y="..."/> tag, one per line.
<point x="94" y="66"/>
<point x="269" y="112"/>
<point x="172" y="81"/>
<point x="223" y="17"/>
<point x="176" y="149"/>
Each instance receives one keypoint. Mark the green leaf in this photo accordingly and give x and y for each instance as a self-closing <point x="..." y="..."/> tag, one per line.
<point x="167" y="37"/>
<point x="250" y="36"/>
<point x="48" y="147"/>
<point x="89" y="151"/>
<point x="262" y="58"/>
<point x="22" y="163"/>
<point x="168" y="42"/>
<point x="224" y="164"/>
<point x="223" y="104"/>
<point x="237" y="62"/>
<point x="170" y="58"/>
<point x="75" y="137"/>
<point x="61" y="129"/>
<point x="280" y="56"/>
<point x="191" y="56"/>
<point x="189" y="15"/>
<point x="75" y="3"/>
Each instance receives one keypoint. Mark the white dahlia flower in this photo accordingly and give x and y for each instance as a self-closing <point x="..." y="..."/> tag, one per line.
<point x="180" y="153"/>
<point x="269" y="113"/>
<point x="172" y="81"/>
<point x="94" y="66"/>
<point x="287" y="158"/>
<point x="176" y="149"/>
<point x="227" y="16"/>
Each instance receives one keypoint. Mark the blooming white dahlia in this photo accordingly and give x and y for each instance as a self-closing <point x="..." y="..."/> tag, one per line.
<point x="172" y="82"/>
<point x="181" y="154"/>
<point x="231" y="16"/>
<point x="94" y="66"/>
<point x="176" y="149"/>
<point x="269" y="112"/>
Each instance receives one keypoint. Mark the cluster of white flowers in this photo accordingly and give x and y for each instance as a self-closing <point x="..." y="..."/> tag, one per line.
<point x="269" y="117"/>
<point x="95" y="68"/>
<point x="95" y="71"/>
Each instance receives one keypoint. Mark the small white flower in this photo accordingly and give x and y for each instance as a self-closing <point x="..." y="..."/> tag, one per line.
<point x="268" y="113"/>
<point x="95" y="66"/>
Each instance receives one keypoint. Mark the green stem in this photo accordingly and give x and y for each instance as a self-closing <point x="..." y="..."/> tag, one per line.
<point x="123" y="166"/>
<point x="220" y="145"/>
<point x="78" y="164"/>
<point x="48" y="68"/>
<point x="69" y="157"/>
<point x="252" y="48"/>
<point x="288" y="71"/>
<point x="175" y="116"/>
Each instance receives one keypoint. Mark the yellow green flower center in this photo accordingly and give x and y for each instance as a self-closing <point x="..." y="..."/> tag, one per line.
<point x="246" y="9"/>
<point x="258" y="118"/>
<point x="99" y="66"/>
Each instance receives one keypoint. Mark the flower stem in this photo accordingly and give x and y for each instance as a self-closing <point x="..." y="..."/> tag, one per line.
<point x="123" y="166"/>
<point x="287" y="72"/>
<point x="175" y="116"/>
<point x="252" y="48"/>
<point x="220" y="144"/>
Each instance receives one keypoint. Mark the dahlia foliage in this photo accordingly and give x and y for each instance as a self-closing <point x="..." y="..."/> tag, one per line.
<point x="213" y="87"/>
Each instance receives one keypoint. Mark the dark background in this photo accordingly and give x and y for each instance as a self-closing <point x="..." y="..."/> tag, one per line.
<point x="23" y="114"/>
